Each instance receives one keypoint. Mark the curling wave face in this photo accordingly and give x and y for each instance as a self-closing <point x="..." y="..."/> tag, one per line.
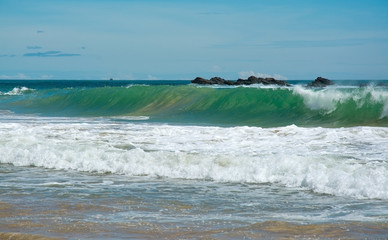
<point x="188" y="104"/>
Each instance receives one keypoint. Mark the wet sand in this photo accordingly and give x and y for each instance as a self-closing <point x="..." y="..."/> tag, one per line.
<point x="36" y="222"/>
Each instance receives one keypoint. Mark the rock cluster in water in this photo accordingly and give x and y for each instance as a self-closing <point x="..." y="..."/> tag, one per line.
<point x="249" y="81"/>
<point x="319" y="82"/>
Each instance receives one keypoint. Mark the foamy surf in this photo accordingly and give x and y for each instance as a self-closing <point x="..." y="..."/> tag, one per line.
<point x="17" y="91"/>
<point x="333" y="98"/>
<point x="348" y="162"/>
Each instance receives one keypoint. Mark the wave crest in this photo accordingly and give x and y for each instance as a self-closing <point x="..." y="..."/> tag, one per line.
<point x="17" y="91"/>
<point x="264" y="107"/>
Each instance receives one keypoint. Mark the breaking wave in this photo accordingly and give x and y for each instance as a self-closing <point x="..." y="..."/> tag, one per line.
<point x="188" y="104"/>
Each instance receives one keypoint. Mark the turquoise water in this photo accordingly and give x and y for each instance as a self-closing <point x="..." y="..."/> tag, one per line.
<point x="172" y="160"/>
<point x="180" y="103"/>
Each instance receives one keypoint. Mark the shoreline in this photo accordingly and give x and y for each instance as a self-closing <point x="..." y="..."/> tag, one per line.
<point x="269" y="229"/>
<point x="68" y="221"/>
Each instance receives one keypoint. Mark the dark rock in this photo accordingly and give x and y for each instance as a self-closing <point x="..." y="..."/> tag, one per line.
<point x="212" y="81"/>
<point x="265" y="81"/>
<point x="320" y="82"/>
<point x="249" y="81"/>
<point x="199" y="80"/>
<point x="217" y="80"/>
<point x="221" y="81"/>
<point x="275" y="82"/>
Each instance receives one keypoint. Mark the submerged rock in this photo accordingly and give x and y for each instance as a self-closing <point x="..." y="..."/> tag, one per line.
<point x="249" y="81"/>
<point x="320" y="82"/>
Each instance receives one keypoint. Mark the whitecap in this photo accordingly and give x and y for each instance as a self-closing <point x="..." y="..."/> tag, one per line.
<point x="343" y="162"/>
<point x="18" y="91"/>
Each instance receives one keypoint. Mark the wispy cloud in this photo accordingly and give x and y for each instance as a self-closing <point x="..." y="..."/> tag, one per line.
<point x="22" y="76"/>
<point x="47" y="76"/>
<point x="150" y="77"/>
<point x="34" y="47"/>
<point x="246" y="74"/>
<point x="17" y="76"/>
<point x="119" y="76"/>
<point x="51" y="54"/>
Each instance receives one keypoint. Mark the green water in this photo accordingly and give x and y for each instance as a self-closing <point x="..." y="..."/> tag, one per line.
<point x="190" y="104"/>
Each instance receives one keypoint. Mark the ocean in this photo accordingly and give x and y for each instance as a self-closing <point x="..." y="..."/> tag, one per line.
<point x="175" y="160"/>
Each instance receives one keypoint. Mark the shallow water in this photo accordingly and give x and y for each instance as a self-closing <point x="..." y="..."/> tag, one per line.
<point x="98" y="206"/>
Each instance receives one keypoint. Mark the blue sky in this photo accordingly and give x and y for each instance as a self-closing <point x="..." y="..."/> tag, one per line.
<point x="171" y="39"/>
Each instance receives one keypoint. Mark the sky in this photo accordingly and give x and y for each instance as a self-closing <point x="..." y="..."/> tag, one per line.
<point x="172" y="40"/>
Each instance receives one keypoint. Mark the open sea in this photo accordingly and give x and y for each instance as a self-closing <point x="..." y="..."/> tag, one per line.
<point x="175" y="160"/>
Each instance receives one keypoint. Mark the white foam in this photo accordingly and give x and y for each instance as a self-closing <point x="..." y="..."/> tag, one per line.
<point x="17" y="91"/>
<point x="324" y="99"/>
<point x="256" y="85"/>
<point x="345" y="162"/>
<point x="328" y="98"/>
<point x="130" y="118"/>
<point x="381" y="96"/>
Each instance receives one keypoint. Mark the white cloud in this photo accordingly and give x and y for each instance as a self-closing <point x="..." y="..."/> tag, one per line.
<point x="44" y="77"/>
<point x="150" y="77"/>
<point x="119" y="76"/>
<point x="18" y="76"/>
<point x="246" y="74"/>
<point x="22" y="76"/>
<point x="128" y="76"/>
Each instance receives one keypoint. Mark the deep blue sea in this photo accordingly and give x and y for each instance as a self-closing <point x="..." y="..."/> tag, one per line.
<point x="175" y="160"/>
